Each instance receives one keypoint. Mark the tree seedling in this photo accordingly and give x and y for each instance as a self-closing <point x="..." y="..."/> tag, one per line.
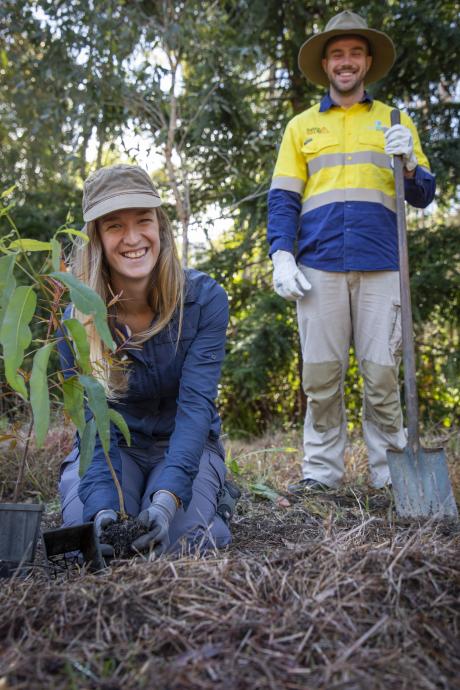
<point x="34" y="285"/>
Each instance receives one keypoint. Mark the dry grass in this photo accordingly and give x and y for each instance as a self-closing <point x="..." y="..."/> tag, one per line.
<point x="327" y="593"/>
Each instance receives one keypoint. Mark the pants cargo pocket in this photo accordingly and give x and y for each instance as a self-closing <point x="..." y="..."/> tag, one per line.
<point x="395" y="341"/>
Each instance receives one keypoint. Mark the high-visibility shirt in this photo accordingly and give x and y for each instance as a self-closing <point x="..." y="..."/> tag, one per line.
<point x="332" y="197"/>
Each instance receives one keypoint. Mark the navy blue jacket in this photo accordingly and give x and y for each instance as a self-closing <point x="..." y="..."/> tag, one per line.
<point x="171" y="394"/>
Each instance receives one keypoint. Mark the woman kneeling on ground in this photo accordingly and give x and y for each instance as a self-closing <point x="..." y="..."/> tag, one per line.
<point x="169" y="324"/>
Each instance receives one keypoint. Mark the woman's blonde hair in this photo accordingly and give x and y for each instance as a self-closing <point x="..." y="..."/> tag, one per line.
<point x="166" y="297"/>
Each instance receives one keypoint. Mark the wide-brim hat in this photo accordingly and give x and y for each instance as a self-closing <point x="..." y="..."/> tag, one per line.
<point x="117" y="187"/>
<point x="347" y="23"/>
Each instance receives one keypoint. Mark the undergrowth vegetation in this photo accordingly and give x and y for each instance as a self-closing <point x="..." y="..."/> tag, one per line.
<point x="331" y="591"/>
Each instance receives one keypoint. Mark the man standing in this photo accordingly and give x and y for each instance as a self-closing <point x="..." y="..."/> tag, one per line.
<point x="332" y="201"/>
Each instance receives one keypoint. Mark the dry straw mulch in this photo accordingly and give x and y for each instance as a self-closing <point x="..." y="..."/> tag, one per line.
<point x="328" y="593"/>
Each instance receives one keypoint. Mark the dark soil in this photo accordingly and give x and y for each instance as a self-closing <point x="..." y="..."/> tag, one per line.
<point x="121" y="535"/>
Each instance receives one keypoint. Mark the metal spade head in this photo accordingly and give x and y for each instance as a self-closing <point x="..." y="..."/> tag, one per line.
<point x="421" y="484"/>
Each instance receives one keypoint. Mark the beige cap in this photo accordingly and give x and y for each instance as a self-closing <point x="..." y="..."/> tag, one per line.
<point x="117" y="187"/>
<point x="346" y="23"/>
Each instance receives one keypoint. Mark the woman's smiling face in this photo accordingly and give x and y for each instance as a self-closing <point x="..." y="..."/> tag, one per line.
<point x="130" y="241"/>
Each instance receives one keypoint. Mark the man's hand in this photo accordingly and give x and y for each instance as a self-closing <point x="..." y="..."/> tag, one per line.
<point x="102" y="519"/>
<point x="157" y="518"/>
<point x="288" y="280"/>
<point x="399" y="142"/>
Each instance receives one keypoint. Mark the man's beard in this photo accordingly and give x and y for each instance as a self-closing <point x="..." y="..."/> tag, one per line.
<point x="347" y="91"/>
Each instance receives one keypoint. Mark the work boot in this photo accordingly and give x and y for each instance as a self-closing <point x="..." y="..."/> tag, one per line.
<point x="227" y="500"/>
<point x="306" y="486"/>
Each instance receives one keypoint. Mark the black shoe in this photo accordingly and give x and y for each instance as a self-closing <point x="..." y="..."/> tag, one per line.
<point x="306" y="486"/>
<point x="227" y="500"/>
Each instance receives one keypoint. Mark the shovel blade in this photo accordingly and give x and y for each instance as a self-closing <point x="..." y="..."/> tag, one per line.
<point x="421" y="485"/>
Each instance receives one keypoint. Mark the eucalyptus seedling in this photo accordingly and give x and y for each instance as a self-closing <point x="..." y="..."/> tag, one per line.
<point x="31" y="323"/>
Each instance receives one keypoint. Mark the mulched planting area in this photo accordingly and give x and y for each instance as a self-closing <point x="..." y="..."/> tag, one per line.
<point x="328" y="593"/>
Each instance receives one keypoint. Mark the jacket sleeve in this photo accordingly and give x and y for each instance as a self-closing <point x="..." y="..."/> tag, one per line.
<point x="420" y="189"/>
<point x="197" y="391"/>
<point x="286" y="191"/>
<point x="96" y="489"/>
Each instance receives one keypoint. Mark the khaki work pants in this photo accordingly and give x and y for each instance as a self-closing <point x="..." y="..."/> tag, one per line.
<point x="341" y="309"/>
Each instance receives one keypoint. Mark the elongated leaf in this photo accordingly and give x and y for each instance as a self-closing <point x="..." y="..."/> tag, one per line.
<point x="264" y="491"/>
<point x="39" y="394"/>
<point x="232" y="464"/>
<point x="7" y="282"/>
<point x="74" y="402"/>
<point x="56" y="251"/>
<point x="119" y="421"/>
<point x="88" y="302"/>
<point x="80" y="341"/>
<point x="28" y="245"/>
<point x="97" y="403"/>
<point x="6" y="209"/>
<point x="77" y="233"/>
<point x="87" y="443"/>
<point x="15" y="334"/>
<point x="8" y="191"/>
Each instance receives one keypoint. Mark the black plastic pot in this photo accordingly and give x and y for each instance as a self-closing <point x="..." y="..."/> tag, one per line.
<point x="67" y="546"/>
<point x="19" y="530"/>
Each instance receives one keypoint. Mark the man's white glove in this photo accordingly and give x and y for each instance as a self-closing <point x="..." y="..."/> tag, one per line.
<point x="399" y="142"/>
<point x="288" y="280"/>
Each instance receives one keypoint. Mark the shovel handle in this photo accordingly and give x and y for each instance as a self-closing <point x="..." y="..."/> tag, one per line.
<point x="410" y="386"/>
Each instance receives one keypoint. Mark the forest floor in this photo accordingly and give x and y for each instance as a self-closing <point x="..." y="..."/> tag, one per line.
<point x="329" y="592"/>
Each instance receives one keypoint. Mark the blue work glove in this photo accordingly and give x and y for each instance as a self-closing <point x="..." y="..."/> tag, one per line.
<point x="157" y="518"/>
<point x="102" y="519"/>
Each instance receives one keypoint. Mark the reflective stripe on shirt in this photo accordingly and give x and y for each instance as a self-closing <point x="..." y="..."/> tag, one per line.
<point x="332" y="197"/>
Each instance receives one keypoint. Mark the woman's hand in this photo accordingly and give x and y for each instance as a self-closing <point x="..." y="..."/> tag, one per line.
<point x="102" y="519"/>
<point x="157" y="518"/>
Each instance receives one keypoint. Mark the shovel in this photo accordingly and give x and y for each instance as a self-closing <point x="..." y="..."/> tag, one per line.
<point x="419" y="476"/>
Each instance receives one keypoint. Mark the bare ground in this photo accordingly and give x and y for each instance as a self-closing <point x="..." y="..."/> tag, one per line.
<point x="331" y="592"/>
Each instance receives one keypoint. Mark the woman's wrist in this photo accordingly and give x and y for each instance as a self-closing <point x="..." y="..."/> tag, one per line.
<point x="176" y="498"/>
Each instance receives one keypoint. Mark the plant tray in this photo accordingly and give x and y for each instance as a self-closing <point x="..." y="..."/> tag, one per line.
<point x="67" y="548"/>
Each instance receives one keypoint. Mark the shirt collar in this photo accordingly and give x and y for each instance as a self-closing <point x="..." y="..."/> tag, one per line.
<point x="327" y="102"/>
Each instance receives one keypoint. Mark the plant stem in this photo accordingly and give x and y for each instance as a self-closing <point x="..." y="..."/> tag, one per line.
<point x="22" y="466"/>
<point x="123" y="514"/>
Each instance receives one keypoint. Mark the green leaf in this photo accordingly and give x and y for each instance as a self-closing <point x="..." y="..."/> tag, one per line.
<point x="39" y="394"/>
<point x="6" y="209"/>
<point x="232" y="464"/>
<point x="264" y="491"/>
<point x="88" y="302"/>
<point x="74" y="402"/>
<point x="56" y="251"/>
<point x="4" y="63"/>
<point x="97" y="403"/>
<point x="29" y="245"/>
<point x="15" y="334"/>
<point x="8" y="191"/>
<point x="87" y="444"/>
<point x="119" y="421"/>
<point x="80" y="342"/>
<point x="7" y="282"/>
<point x="77" y="233"/>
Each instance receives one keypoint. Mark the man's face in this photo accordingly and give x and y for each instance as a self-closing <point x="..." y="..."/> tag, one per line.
<point x="346" y="64"/>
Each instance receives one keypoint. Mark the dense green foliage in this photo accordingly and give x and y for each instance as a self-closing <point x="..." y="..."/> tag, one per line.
<point x="209" y="87"/>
